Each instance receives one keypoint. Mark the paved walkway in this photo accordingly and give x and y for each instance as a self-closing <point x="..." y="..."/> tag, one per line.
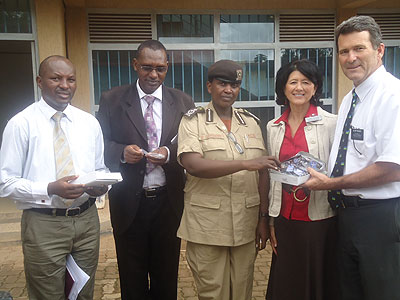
<point x="12" y="278"/>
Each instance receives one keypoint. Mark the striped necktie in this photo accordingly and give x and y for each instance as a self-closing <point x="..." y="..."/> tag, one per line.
<point x="334" y="196"/>
<point x="151" y="129"/>
<point x="62" y="153"/>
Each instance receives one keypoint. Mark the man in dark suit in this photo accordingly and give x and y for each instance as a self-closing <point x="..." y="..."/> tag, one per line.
<point x="140" y="124"/>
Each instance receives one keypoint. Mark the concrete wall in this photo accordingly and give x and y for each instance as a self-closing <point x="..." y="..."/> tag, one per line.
<point x="77" y="41"/>
<point x="50" y="28"/>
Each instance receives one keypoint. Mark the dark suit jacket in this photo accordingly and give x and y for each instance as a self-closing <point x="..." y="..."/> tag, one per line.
<point x="121" y="119"/>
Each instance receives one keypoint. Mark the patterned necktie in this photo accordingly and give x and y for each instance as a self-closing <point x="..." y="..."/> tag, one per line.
<point x="335" y="195"/>
<point x="62" y="153"/>
<point x="151" y="129"/>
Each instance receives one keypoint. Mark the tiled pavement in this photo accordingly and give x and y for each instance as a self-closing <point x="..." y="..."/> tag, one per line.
<point x="12" y="277"/>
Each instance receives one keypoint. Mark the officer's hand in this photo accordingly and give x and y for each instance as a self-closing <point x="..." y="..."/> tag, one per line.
<point x="262" y="234"/>
<point x="262" y="162"/>
<point x="274" y="242"/>
<point x="63" y="188"/>
<point x="132" y="154"/>
<point x="158" y="156"/>
<point x="96" y="191"/>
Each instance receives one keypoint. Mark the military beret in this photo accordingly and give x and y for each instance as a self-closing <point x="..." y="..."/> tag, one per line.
<point x="226" y="70"/>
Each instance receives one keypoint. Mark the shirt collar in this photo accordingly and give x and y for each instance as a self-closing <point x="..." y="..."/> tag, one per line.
<point x="312" y="111"/>
<point x="363" y="89"/>
<point x="49" y="111"/>
<point x="157" y="93"/>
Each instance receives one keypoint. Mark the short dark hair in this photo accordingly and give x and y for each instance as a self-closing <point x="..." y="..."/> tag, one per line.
<point x="305" y="67"/>
<point x="46" y="61"/>
<point x="151" y="44"/>
<point x="360" y="23"/>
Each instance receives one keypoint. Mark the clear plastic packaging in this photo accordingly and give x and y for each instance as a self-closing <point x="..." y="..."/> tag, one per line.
<point x="294" y="170"/>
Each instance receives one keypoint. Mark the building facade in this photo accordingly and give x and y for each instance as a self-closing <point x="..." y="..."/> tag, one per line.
<point x="101" y="36"/>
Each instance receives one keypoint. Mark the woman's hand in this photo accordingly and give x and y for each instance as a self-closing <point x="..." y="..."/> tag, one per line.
<point x="274" y="242"/>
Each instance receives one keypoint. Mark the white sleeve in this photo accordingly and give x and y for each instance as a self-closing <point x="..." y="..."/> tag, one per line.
<point x="13" y="158"/>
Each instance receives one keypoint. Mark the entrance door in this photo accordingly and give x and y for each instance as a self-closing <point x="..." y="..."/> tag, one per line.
<point x="16" y="79"/>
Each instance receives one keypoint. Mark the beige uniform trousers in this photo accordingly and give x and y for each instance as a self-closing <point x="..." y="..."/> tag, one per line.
<point x="221" y="272"/>
<point x="46" y="242"/>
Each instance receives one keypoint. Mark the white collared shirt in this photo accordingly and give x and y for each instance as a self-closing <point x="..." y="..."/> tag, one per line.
<point x="156" y="177"/>
<point x="377" y="113"/>
<point x="27" y="162"/>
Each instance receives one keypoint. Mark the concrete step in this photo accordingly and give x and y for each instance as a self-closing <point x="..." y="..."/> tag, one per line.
<point x="10" y="222"/>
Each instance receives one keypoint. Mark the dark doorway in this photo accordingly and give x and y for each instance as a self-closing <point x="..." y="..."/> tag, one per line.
<point x="16" y="79"/>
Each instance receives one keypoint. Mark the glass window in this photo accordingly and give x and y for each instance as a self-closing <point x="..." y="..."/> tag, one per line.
<point x="185" y="28"/>
<point x="15" y="16"/>
<point x="188" y="72"/>
<point x="258" y="73"/>
<point x="323" y="57"/>
<point x="391" y="60"/>
<point x="111" y="68"/>
<point x="247" y="28"/>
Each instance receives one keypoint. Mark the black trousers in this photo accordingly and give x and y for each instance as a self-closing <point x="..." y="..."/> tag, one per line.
<point x="369" y="251"/>
<point x="148" y="253"/>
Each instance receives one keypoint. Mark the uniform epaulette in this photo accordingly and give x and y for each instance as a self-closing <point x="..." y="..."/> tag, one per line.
<point x="194" y="111"/>
<point x="247" y="113"/>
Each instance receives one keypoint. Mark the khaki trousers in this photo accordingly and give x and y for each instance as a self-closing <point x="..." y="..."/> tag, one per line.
<point x="46" y="242"/>
<point x="223" y="273"/>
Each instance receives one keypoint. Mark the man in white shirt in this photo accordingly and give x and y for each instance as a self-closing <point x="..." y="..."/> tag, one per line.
<point x="44" y="148"/>
<point x="365" y="167"/>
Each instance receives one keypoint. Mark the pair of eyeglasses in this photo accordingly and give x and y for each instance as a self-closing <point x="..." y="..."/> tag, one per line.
<point x="232" y="138"/>
<point x="149" y="69"/>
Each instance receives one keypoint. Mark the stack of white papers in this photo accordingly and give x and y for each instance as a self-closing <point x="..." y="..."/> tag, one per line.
<point x="78" y="276"/>
<point x="98" y="178"/>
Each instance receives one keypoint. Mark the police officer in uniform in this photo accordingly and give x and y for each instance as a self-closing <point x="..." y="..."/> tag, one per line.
<point x="226" y="193"/>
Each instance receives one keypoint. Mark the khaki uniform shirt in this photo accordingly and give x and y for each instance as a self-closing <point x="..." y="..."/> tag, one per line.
<point x="220" y="211"/>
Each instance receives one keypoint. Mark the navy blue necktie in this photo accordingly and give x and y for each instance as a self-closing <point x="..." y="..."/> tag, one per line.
<point x="334" y="196"/>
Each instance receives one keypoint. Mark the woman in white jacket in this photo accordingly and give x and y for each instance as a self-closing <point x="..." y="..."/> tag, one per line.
<point x="302" y="225"/>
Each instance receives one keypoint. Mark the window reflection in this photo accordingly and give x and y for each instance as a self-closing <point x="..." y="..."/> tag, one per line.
<point x="15" y="16"/>
<point x="247" y="28"/>
<point x="391" y="60"/>
<point x="185" y="28"/>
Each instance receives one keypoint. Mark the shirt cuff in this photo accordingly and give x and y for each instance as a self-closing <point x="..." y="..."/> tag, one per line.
<point x="39" y="193"/>
<point x="167" y="160"/>
<point x="122" y="159"/>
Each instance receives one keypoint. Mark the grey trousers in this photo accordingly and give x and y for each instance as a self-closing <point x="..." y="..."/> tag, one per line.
<point x="46" y="242"/>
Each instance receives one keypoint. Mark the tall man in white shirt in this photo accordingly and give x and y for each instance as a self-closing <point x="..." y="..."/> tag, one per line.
<point x="365" y="167"/>
<point x="44" y="147"/>
<point x="146" y="207"/>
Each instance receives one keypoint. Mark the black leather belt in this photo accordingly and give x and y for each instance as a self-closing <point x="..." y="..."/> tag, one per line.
<point x="355" y="201"/>
<point x="153" y="192"/>
<point x="66" y="212"/>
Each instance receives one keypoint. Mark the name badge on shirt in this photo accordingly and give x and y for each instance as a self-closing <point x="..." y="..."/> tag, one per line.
<point x="313" y="118"/>
<point x="357" y="134"/>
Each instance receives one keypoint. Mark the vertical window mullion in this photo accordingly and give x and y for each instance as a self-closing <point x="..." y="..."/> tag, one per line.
<point x="183" y="71"/>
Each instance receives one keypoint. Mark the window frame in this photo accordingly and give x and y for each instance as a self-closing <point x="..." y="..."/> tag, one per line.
<point x="217" y="46"/>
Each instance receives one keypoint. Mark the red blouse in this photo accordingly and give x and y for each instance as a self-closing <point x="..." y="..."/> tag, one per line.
<point x="292" y="209"/>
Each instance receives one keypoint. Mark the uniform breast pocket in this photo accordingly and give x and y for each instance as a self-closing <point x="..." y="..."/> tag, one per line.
<point x="213" y="148"/>
<point x="253" y="146"/>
